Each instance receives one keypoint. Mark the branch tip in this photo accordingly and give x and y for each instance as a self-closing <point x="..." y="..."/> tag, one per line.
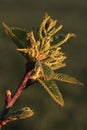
<point x="8" y="93"/>
<point x="8" y="96"/>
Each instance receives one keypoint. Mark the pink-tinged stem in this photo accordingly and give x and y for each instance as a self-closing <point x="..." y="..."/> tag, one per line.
<point x="10" y="103"/>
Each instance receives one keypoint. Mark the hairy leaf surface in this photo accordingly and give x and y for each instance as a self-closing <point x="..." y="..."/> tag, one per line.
<point x="66" y="78"/>
<point x="53" y="90"/>
<point x="47" y="71"/>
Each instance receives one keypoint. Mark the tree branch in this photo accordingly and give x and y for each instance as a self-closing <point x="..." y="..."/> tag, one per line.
<point x="10" y="100"/>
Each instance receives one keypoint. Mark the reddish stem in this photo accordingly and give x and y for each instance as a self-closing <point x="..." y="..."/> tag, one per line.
<point x="16" y="95"/>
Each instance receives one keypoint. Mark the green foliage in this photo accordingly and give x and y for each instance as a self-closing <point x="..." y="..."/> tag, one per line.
<point x="11" y="33"/>
<point x="23" y="113"/>
<point x="53" y="90"/>
<point x="45" y="53"/>
<point x="47" y="72"/>
<point x="21" y="34"/>
<point x="66" y="78"/>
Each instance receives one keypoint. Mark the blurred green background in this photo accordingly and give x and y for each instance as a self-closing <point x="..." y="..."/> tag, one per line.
<point x="48" y="115"/>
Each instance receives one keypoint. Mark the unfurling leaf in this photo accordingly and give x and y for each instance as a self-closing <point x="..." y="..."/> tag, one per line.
<point x="23" y="113"/>
<point x="66" y="78"/>
<point x="53" y="90"/>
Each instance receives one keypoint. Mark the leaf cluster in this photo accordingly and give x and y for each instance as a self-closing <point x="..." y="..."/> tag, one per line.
<point x="45" y="53"/>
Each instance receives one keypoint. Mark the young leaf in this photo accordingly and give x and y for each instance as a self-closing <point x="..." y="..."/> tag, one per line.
<point x="47" y="71"/>
<point x="23" y="113"/>
<point x="53" y="90"/>
<point x="66" y="78"/>
<point x="12" y="36"/>
<point x="21" y="34"/>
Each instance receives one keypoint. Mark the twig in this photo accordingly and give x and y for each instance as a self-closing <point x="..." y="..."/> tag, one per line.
<point x="10" y="100"/>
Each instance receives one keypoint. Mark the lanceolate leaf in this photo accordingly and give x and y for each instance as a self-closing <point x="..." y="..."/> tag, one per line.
<point x="53" y="90"/>
<point x="47" y="71"/>
<point x="66" y="78"/>
<point x="12" y="36"/>
<point x="21" y="34"/>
